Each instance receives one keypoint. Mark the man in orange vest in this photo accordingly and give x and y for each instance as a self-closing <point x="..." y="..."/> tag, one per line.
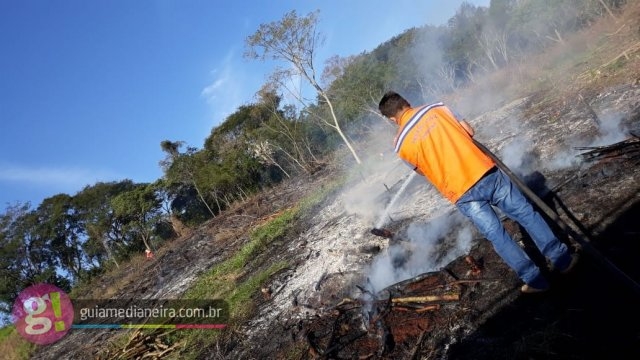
<point x="440" y="147"/>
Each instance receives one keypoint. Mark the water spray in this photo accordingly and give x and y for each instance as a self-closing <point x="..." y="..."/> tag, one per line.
<point x="385" y="215"/>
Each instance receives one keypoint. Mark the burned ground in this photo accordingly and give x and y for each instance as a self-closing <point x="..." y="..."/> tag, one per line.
<point x="465" y="305"/>
<point x="321" y="306"/>
<point x="472" y="307"/>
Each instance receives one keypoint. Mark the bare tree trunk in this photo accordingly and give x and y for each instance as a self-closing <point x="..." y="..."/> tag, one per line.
<point x="308" y="148"/>
<point x="227" y="202"/>
<point x="558" y="37"/>
<point x="448" y="75"/>
<point x="335" y="124"/>
<point x="606" y="7"/>
<point x="303" y="167"/>
<point x="503" y="48"/>
<point x="146" y="242"/>
<point x="486" y="41"/>
<point x="109" y="253"/>
<point x="281" y="169"/>
<point x="243" y="194"/>
<point x="202" y="198"/>
<point x="339" y="130"/>
<point x="294" y="140"/>
<point x="215" y="197"/>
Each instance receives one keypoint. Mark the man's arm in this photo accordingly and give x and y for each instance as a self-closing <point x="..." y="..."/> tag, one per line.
<point x="467" y="127"/>
<point x="413" y="167"/>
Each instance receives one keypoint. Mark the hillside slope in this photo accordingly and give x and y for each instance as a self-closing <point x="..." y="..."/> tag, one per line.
<point x="318" y="304"/>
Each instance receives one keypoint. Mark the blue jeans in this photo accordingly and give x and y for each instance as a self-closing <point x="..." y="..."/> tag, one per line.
<point x="496" y="189"/>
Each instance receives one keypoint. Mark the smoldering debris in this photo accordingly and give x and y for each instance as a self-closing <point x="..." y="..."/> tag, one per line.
<point x="424" y="246"/>
<point x="627" y="149"/>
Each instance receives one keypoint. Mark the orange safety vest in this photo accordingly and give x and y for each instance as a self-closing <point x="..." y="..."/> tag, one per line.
<point x="432" y="139"/>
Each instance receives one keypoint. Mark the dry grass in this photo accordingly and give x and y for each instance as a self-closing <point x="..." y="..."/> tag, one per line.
<point x="114" y="279"/>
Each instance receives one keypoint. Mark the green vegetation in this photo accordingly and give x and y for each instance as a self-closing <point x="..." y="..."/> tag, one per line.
<point x="221" y="279"/>
<point x="12" y="345"/>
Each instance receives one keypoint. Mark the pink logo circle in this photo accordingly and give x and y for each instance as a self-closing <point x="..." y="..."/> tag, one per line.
<point x="42" y="314"/>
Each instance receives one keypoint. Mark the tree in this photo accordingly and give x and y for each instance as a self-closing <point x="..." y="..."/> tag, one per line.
<point x="294" y="40"/>
<point x="96" y="216"/>
<point x="281" y="132"/>
<point x="493" y="42"/>
<point x="541" y="21"/>
<point x="26" y="254"/>
<point x="35" y="250"/>
<point x="357" y="82"/>
<point x="178" y="227"/>
<point x="265" y="152"/>
<point x="461" y="45"/>
<point x="60" y="224"/>
<point x="12" y="279"/>
<point x="500" y="11"/>
<point x="180" y="169"/>
<point x="139" y="210"/>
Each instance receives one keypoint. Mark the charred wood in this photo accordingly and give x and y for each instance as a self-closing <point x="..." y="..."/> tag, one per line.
<point x="627" y="149"/>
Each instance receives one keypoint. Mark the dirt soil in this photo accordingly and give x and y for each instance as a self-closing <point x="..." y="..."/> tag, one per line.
<point x="465" y="304"/>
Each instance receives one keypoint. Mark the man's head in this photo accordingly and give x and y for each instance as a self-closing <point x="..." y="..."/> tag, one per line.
<point x="392" y="104"/>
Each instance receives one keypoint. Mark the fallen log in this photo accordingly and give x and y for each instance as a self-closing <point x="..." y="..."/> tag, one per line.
<point x="628" y="149"/>
<point x="408" y="299"/>
<point x="418" y="309"/>
<point x="426" y="298"/>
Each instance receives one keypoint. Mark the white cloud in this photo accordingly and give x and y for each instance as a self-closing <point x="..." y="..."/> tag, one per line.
<point x="67" y="179"/>
<point x="211" y="91"/>
<point x="227" y="91"/>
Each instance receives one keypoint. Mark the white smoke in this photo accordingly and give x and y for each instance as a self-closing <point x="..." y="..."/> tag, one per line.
<point x="427" y="247"/>
<point x="609" y="131"/>
<point x="370" y="190"/>
<point x="518" y="157"/>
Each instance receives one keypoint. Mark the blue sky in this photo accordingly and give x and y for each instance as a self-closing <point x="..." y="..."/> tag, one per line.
<point x="89" y="89"/>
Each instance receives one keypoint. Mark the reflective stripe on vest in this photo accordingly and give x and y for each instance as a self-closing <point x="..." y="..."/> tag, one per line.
<point x="412" y="122"/>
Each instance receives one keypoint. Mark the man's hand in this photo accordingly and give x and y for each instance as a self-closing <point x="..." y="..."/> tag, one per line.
<point x="467" y="127"/>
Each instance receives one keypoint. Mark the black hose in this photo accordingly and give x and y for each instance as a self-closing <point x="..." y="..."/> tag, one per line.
<point x="581" y="238"/>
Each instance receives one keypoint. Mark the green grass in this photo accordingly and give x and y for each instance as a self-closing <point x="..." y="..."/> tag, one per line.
<point x="220" y="281"/>
<point x="13" y="346"/>
<point x="238" y="295"/>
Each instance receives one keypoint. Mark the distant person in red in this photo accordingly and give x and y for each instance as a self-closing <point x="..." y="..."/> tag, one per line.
<point x="148" y="253"/>
<point x="440" y="147"/>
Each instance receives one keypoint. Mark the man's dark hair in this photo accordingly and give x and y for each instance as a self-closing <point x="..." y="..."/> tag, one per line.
<point x="391" y="103"/>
